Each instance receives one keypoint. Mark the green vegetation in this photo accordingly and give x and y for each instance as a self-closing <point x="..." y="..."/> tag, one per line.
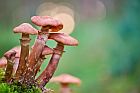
<point x="15" y="87"/>
<point x="1" y="74"/>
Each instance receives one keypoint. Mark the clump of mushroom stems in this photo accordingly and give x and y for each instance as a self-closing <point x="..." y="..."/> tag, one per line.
<point x="23" y="64"/>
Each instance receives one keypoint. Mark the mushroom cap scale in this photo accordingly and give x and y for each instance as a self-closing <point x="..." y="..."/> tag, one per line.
<point x="66" y="79"/>
<point x="55" y="25"/>
<point x="64" y="39"/>
<point x="25" y="28"/>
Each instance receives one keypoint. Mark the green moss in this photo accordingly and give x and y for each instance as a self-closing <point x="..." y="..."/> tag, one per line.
<point x="15" y="87"/>
<point x="1" y="74"/>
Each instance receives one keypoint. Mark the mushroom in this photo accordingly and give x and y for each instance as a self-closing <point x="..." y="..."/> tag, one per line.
<point x="26" y="29"/>
<point x="10" y="56"/>
<point x="61" y="39"/>
<point x="46" y="51"/>
<point x="47" y="24"/>
<point x="65" y="80"/>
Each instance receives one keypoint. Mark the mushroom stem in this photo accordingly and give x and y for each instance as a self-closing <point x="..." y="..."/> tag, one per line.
<point x="24" y="41"/>
<point x="10" y="56"/>
<point x="65" y="88"/>
<point x="34" y="56"/>
<point x="37" y="50"/>
<point x="47" y="74"/>
<point x="47" y="24"/>
<point x="15" y="65"/>
<point x="38" y="65"/>
<point x="46" y="51"/>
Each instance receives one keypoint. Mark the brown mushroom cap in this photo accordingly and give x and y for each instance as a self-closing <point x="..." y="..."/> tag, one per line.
<point x="47" y="50"/>
<point x="54" y="24"/>
<point x="9" y="54"/>
<point x="66" y="79"/>
<point x="64" y="39"/>
<point x="17" y="49"/>
<point x="3" y="62"/>
<point x="25" y="28"/>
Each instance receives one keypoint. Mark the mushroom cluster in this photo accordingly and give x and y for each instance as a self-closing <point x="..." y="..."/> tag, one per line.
<point x="22" y="63"/>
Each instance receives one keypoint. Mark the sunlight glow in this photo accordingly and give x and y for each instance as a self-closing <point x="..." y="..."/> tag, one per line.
<point x="60" y="12"/>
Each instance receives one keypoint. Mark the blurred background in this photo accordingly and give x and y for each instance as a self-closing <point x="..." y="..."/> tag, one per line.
<point x="107" y="59"/>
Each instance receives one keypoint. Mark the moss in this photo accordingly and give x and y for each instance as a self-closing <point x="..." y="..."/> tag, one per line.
<point x="15" y="87"/>
<point x="1" y="74"/>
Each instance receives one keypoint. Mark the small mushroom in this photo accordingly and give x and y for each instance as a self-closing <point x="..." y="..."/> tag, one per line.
<point x="10" y="56"/>
<point x="47" y="24"/>
<point x="65" y="80"/>
<point x="46" y="51"/>
<point x="61" y="39"/>
<point x="26" y="29"/>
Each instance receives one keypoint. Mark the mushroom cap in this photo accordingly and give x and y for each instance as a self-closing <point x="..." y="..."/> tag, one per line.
<point x="25" y="28"/>
<point x="9" y="54"/>
<point x="66" y="79"/>
<point x="47" y="50"/>
<point x="55" y="25"/>
<point x="64" y="39"/>
<point x="18" y="50"/>
<point x="3" y="62"/>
